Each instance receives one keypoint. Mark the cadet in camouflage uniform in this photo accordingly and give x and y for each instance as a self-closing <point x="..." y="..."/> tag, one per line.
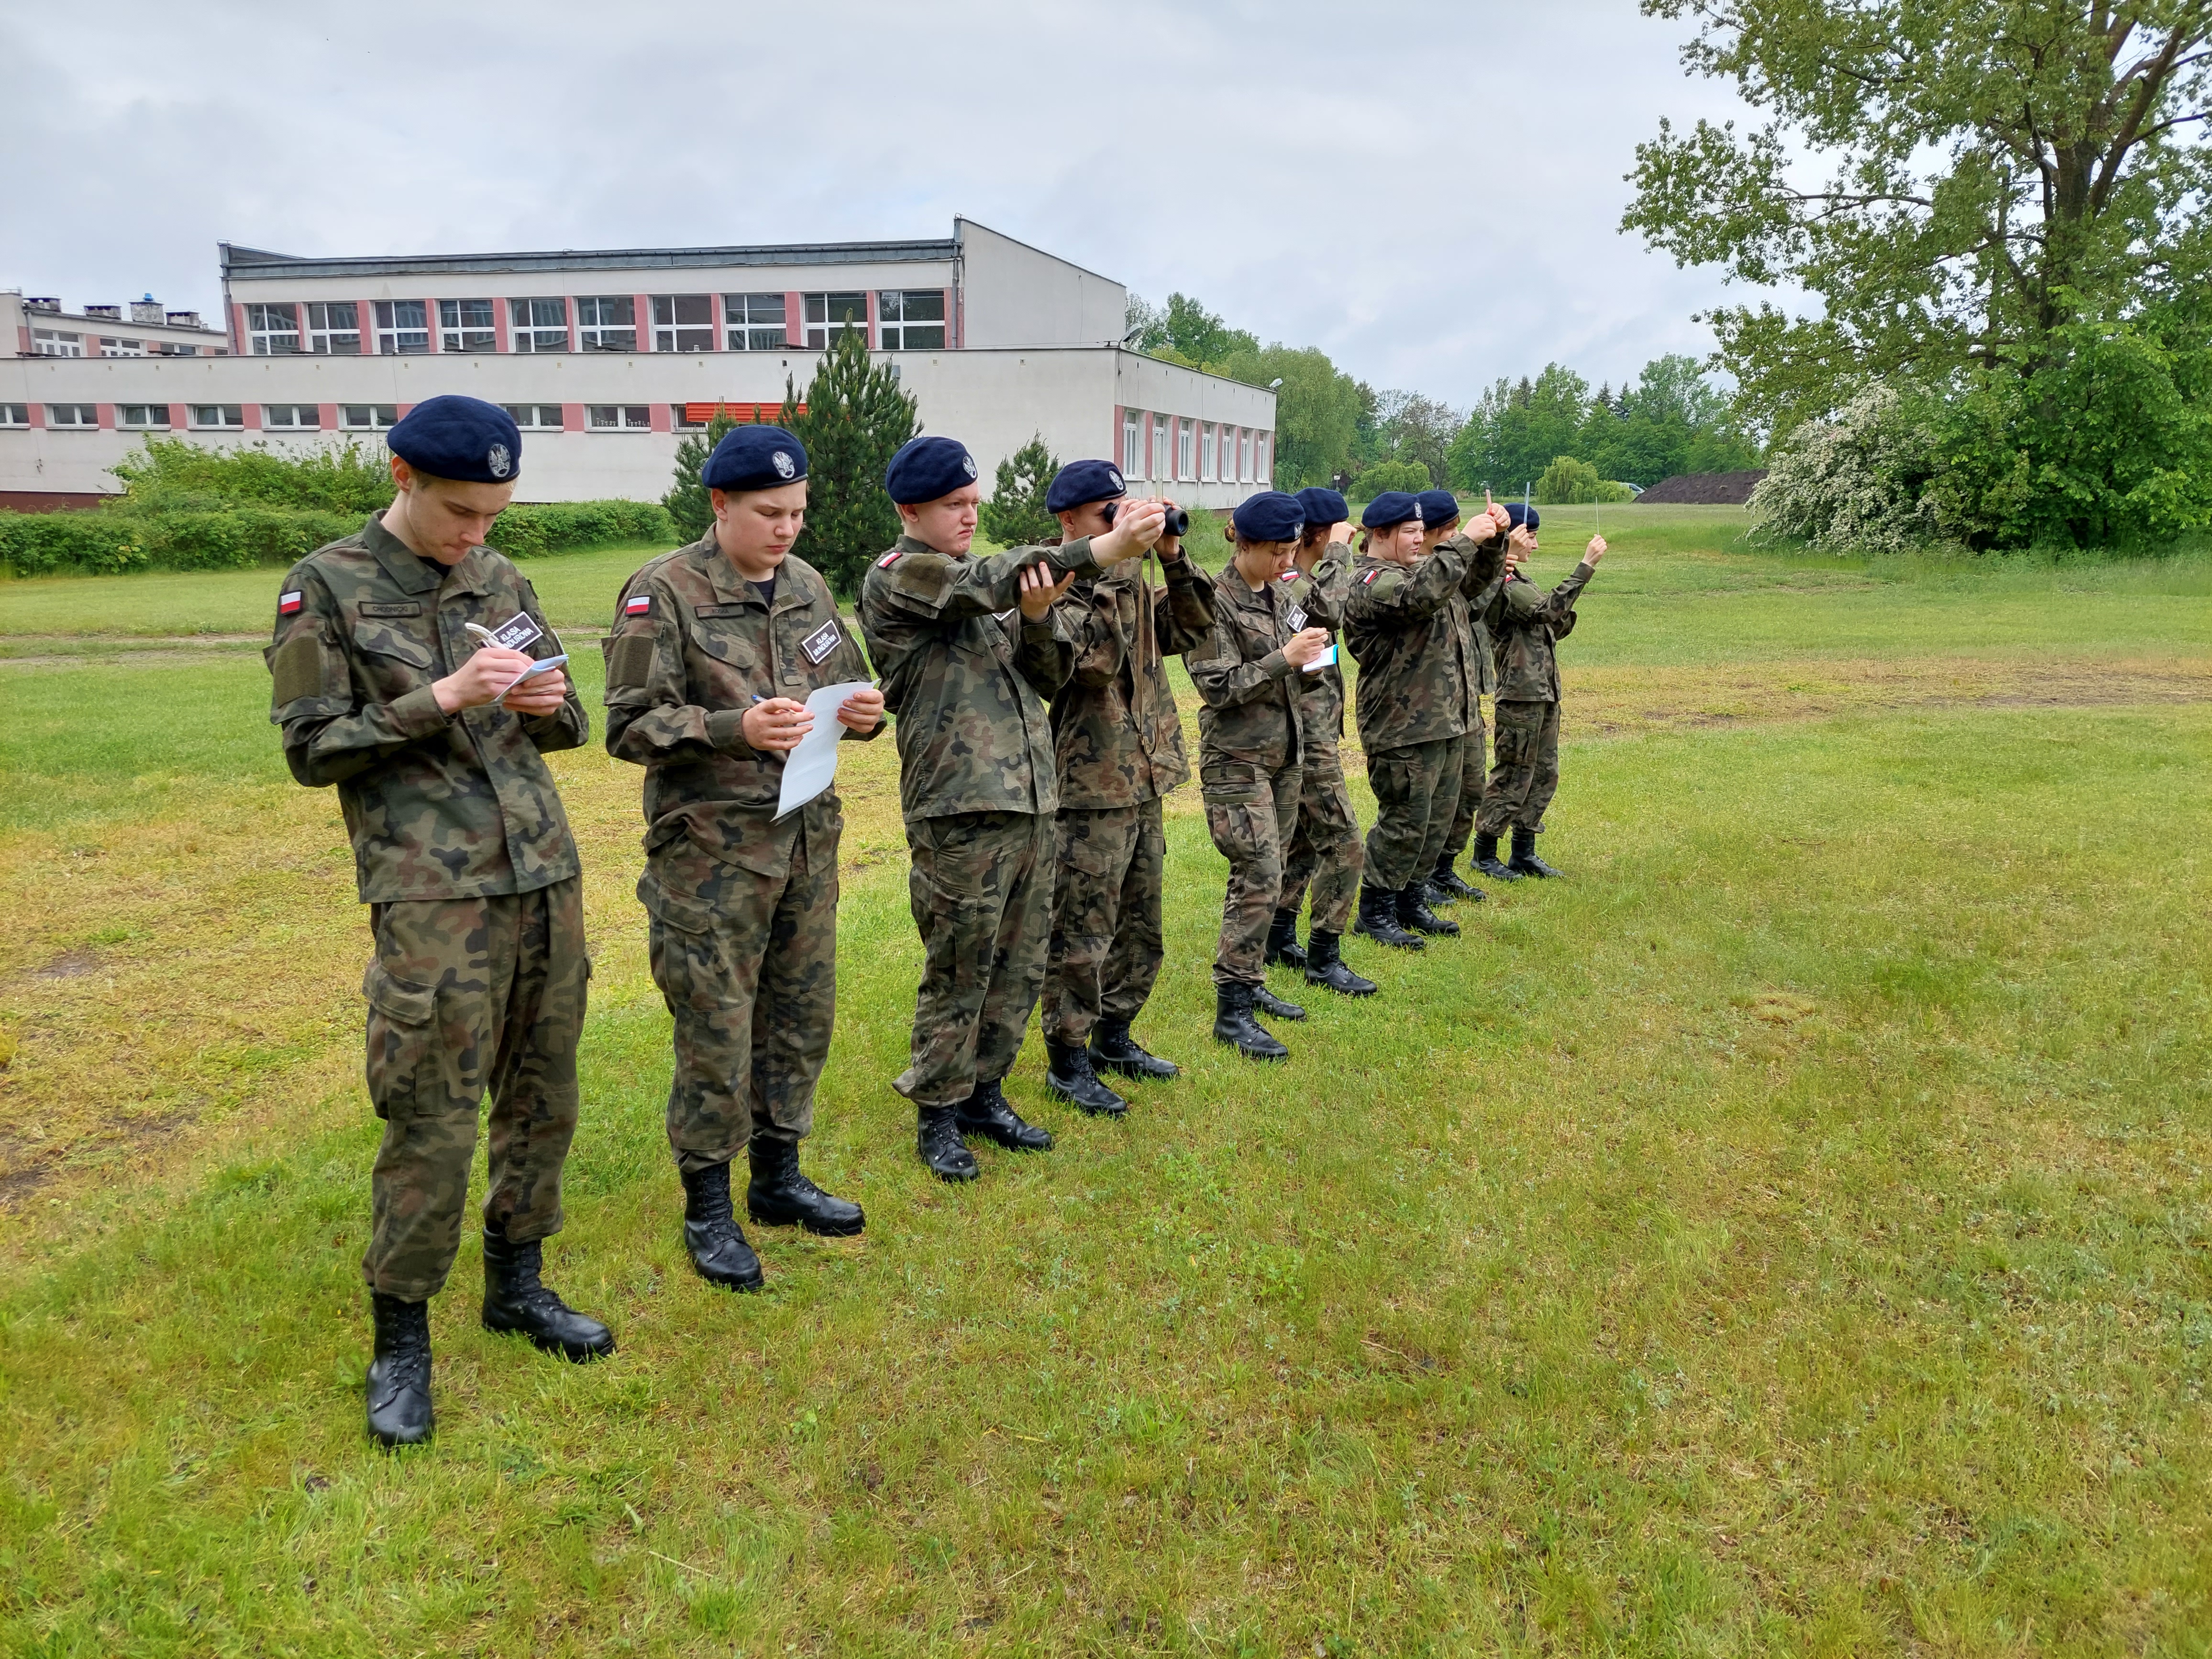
<point x="1119" y="741"/>
<point x="464" y="855"/>
<point x="1250" y="677"/>
<point x="966" y="649"/>
<point x="713" y="654"/>
<point x="1527" y="624"/>
<point x="1415" y="689"/>
<point x="1325" y="853"/>
<point x="1439" y="520"/>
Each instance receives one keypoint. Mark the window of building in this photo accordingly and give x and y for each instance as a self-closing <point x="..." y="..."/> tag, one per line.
<point x="57" y="342"/>
<point x="291" y="417"/>
<point x="1243" y="458"/>
<point x="272" y="330"/>
<point x="143" y="417"/>
<point x="1133" y="445"/>
<point x="14" y="414"/>
<point x="618" y="417"/>
<point x="1208" y="435"/>
<point x="122" y="347"/>
<point x="683" y="322"/>
<point x="828" y="314"/>
<point x="334" y="328"/>
<point x="219" y="416"/>
<point x="1186" y="450"/>
<point x="911" y="319"/>
<point x="535" y="417"/>
<point x="466" y="325"/>
<point x="1162" y="467"/>
<point x="756" y="321"/>
<point x="73" y="417"/>
<point x="606" y="322"/>
<point x="402" y="327"/>
<point x="161" y="349"/>
<point x="679" y="417"/>
<point x="366" y="417"/>
<point x="1260" y="458"/>
<point x="537" y="325"/>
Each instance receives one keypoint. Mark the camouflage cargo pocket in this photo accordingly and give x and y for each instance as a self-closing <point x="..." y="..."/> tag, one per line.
<point x="1225" y="782"/>
<point x="402" y="1025"/>
<point x="681" y="946"/>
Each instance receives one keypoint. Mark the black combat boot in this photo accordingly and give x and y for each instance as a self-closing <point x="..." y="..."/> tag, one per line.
<point x="1446" y="880"/>
<point x="1265" y="1001"/>
<point x="779" y="1195"/>
<point x="399" y="1373"/>
<point x="1378" y="919"/>
<point x="936" y="1139"/>
<point x="1070" y="1076"/>
<point x="1525" y="861"/>
<point x="1414" y="912"/>
<point x="1113" y="1049"/>
<point x="711" y="1232"/>
<point x="1431" y="895"/>
<point x="1325" y="966"/>
<point x="1233" y="1024"/>
<point x="985" y="1113"/>
<point x="1283" y="941"/>
<point x="1488" y="861"/>
<point x="515" y="1300"/>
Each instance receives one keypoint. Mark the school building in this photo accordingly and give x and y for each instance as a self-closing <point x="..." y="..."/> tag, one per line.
<point x="607" y="358"/>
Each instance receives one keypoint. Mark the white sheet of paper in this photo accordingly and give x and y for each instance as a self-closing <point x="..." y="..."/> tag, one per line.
<point x="1326" y="659"/>
<point x="812" y="766"/>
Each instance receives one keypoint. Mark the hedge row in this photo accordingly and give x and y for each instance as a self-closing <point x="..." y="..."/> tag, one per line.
<point x="110" y="543"/>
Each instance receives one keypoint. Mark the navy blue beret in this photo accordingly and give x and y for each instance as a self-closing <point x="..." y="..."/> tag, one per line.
<point x="755" y="458"/>
<point x="926" y="468"/>
<point x="1080" y="482"/>
<point x="464" y="439"/>
<point x="1270" y="516"/>
<point x="1525" y="515"/>
<point x="1438" y="507"/>
<point x="1322" y="506"/>
<point x="1392" y="506"/>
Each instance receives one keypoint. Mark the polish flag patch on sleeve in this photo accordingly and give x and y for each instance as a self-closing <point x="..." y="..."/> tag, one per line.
<point x="638" y="604"/>
<point x="888" y="559"/>
<point x="289" y="604"/>
<point x="1369" y="577"/>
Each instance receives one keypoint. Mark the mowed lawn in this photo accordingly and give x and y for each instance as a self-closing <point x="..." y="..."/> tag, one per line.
<point x="1789" y="1235"/>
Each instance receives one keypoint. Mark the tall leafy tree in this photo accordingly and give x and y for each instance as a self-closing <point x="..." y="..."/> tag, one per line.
<point x="1016" y="516"/>
<point x="689" y="505"/>
<point x="1956" y="182"/>
<point x="856" y="418"/>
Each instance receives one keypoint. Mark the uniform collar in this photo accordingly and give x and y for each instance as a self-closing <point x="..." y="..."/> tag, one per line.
<point x="1241" y="594"/>
<point x="412" y="575"/>
<point x="733" y="588"/>
<point x="909" y="544"/>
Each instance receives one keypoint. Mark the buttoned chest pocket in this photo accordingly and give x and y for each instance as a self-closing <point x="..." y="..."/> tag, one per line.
<point x="726" y="667"/>
<point x="1256" y="634"/>
<point x="983" y="641"/>
<point x="393" y="653"/>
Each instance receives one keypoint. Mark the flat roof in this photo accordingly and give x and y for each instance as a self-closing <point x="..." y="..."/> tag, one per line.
<point x="256" y="262"/>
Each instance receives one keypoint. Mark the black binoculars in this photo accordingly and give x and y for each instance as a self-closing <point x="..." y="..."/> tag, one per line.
<point x="1178" y="523"/>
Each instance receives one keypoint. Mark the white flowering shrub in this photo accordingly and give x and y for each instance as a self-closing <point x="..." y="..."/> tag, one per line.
<point x="1857" y="485"/>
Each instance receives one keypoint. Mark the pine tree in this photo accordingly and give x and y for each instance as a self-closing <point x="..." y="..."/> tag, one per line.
<point x="856" y="418"/>
<point x="687" y="500"/>
<point x="1014" y="516"/>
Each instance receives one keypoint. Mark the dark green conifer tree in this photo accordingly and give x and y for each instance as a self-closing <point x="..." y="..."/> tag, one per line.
<point x="1014" y="516"/>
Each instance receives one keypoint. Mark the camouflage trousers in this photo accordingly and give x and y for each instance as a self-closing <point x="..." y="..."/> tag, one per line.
<point x="748" y="965"/>
<point x="1252" y="814"/>
<point x="1105" y="950"/>
<point x="1325" y="851"/>
<point x="981" y="893"/>
<point x="463" y="994"/>
<point x="1475" y="779"/>
<point x="1417" y="790"/>
<point x="1527" y="774"/>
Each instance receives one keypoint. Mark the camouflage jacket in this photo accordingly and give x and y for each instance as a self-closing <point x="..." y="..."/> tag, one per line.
<point x="1475" y="598"/>
<point x="1117" y="733"/>
<point x="964" y="672"/>
<point x="1250" y="693"/>
<point x="693" y="647"/>
<point x="1408" y="629"/>
<point x="1318" y="597"/>
<point x="1526" y="623"/>
<point x="437" y="805"/>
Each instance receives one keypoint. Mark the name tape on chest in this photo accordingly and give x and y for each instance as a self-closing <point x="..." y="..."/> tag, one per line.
<point x="287" y="605"/>
<point x="638" y="604"/>
<point x="515" y="634"/>
<point x="821" y="642"/>
<point x="1295" y="617"/>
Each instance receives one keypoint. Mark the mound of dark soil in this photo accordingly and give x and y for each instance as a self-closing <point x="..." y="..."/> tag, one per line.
<point x="1702" y="489"/>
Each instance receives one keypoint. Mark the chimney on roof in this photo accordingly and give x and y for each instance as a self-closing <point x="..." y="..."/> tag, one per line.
<point x="105" y="313"/>
<point x="41" y="303"/>
<point x="148" y="310"/>
<point x="183" y="319"/>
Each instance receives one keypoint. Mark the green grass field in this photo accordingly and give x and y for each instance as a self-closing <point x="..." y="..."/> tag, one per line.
<point x="1789" y="1235"/>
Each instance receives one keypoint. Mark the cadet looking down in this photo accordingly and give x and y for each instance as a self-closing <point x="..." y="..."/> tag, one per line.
<point x="385" y="686"/>
<point x="966" y="650"/>
<point x="1118" y="738"/>
<point x="713" y="651"/>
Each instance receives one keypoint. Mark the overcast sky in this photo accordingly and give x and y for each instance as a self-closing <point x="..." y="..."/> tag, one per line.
<point x="1461" y="164"/>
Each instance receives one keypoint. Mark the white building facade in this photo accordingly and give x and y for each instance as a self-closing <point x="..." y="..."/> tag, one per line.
<point x="606" y="359"/>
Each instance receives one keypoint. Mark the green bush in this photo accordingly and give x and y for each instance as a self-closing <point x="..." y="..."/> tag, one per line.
<point x="107" y="543"/>
<point x="1570" y="483"/>
<point x="1409" y="476"/>
<point x="176" y="474"/>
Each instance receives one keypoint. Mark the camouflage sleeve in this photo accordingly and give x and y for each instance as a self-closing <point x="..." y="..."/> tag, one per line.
<point x="930" y="586"/>
<point x="852" y="663"/>
<point x="1485" y="568"/>
<point x="571" y="728"/>
<point x="1093" y="611"/>
<point x="651" y="719"/>
<point x="1224" y="678"/>
<point x="1559" y="604"/>
<point x="1045" y="653"/>
<point x="329" y="736"/>
<point x="1398" y="597"/>
<point x="1182" y="617"/>
<point x="1328" y="586"/>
